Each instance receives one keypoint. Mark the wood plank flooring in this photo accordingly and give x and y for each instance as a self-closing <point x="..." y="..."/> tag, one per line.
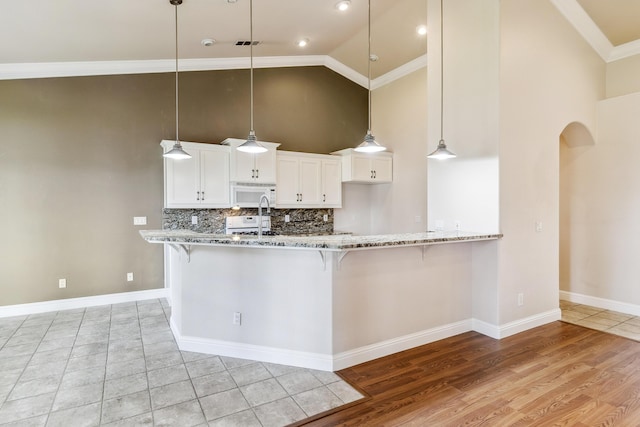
<point x="558" y="374"/>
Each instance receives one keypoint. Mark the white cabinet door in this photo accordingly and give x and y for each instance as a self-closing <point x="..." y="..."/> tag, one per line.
<point x="182" y="181"/>
<point x="244" y="167"/>
<point x="265" y="166"/>
<point x="310" y="173"/>
<point x="361" y="168"/>
<point x="287" y="184"/>
<point x="214" y="179"/>
<point x="331" y="183"/>
<point x="382" y="169"/>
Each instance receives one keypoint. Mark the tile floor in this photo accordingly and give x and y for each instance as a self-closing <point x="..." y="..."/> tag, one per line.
<point x="625" y="325"/>
<point x="119" y="365"/>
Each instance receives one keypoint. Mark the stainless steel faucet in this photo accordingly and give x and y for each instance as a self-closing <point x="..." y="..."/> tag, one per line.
<point x="265" y="198"/>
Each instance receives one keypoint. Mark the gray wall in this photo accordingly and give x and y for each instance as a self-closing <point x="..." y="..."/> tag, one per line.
<point x="81" y="157"/>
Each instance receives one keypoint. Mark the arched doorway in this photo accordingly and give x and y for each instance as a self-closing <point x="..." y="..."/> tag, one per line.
<point x="574" y="140"/>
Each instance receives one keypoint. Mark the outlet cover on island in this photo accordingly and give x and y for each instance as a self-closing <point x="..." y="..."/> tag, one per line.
<point x="287" y="218"/>
<point x="62" y="283"/>
<point x="194" y="220"/>
<point x="325" y="218"/>
<point x="129" y="277"/>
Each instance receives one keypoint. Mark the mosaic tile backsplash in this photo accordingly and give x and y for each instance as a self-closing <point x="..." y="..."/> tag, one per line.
<point x="302" y="221"/>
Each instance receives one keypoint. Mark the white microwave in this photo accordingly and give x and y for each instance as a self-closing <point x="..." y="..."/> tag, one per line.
<point x="248" y="195"/>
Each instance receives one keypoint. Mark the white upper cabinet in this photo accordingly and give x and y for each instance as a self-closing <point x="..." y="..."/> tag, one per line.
<point x="366" y="168"/>
<point x="308" y="181"/>
<point x="199" y="182"/>
<point x="252" y="168"/>
<point x="331" y="182"/>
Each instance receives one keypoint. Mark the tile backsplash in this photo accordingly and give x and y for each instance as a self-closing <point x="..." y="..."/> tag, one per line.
<point x="302" y="221"/>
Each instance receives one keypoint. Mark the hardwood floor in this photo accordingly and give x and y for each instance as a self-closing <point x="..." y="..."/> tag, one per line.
<point x="557" y="374"/>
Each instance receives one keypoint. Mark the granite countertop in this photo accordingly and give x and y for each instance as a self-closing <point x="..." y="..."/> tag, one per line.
<point x="333" y="242"/>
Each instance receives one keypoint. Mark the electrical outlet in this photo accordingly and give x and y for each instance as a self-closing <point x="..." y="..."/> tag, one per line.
<point x="139" y="220"/>
<point x="194" y="220"/>
<point x="129" y="277"/>
<point x="287" y="218"/>
<point x="520" y="299"/>
<point x="237" y="318"/>
<point x="538" y="226"/>
<point x="62" y="283"/>
<point x="325" y="217"/>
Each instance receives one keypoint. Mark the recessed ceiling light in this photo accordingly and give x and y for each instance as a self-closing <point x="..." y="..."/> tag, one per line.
<point x="421" y="29"/>
<point x="302" y="42"/>
<point x="207" y="42"/>
<point x="343" y="5"/>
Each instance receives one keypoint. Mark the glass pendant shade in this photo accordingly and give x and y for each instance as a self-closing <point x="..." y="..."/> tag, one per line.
<point x="177" y="152"/>
<point x="441" y="153"/>
<point x="369" y="145"/>
<point x="251" y="145"/>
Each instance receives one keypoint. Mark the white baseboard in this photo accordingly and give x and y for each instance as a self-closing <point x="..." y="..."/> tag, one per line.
<point x="72" y="303"/>
<point x="384" y="348"/>
<point x="605" y="304"/>
<point x="515" y="327"/>
<point x="327" y="362"/>
<point x="322" y="362"/>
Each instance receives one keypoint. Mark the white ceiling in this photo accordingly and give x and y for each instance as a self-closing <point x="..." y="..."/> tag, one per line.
<point x="109" y="36"/>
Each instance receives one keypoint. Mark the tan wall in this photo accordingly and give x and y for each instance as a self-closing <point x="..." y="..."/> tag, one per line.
<point x="549" y="79"/>
<point x="601" y="188"/>
<point x="81" y="158"/>
<point x="623" y="76"/>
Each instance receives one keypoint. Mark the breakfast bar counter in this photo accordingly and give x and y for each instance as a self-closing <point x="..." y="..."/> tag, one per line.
<point x="274" y="299"/>
<point x="333" y="242"/>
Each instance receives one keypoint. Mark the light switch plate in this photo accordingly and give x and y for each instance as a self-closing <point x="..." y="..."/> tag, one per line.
<point x="139" y="220"/>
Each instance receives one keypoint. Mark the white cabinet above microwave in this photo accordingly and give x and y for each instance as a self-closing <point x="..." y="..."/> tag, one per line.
<point x="252" y="168"/>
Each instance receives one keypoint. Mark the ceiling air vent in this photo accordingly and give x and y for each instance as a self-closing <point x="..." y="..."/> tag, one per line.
<point x="246" y="42"/>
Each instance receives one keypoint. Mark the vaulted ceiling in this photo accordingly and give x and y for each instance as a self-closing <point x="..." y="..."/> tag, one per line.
<point x="118" y="34"/>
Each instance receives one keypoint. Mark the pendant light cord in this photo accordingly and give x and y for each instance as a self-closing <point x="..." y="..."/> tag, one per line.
<point x="251" y="55"/>
<point x="176" y="16"/>
<point x="441" y="72"/>
<point x="369" y="66"/>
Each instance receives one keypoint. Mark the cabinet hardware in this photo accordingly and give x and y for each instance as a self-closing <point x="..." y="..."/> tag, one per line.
<point x="371" y="174"/>
<point x="375" y="174"/>
<point x="253" y="173"/>
<point x="257" y="173"/>
<point x="324" y="198"/>
<point x="198" y="195"/>
<point x="202" y="196"/>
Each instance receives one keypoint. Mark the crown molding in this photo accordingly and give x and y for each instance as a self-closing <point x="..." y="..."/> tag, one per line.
<point x="401" y="71"/>
<point x="42" y="70"/>
<point x="583" y="23"/>
<point x="625" y="50"/>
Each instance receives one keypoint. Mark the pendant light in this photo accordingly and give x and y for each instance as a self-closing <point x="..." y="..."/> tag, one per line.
<point x="441" y="153"/>
<point x="251" y="145"/>
<point x="177" y="152"/>
<point x="369" y="145"/>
